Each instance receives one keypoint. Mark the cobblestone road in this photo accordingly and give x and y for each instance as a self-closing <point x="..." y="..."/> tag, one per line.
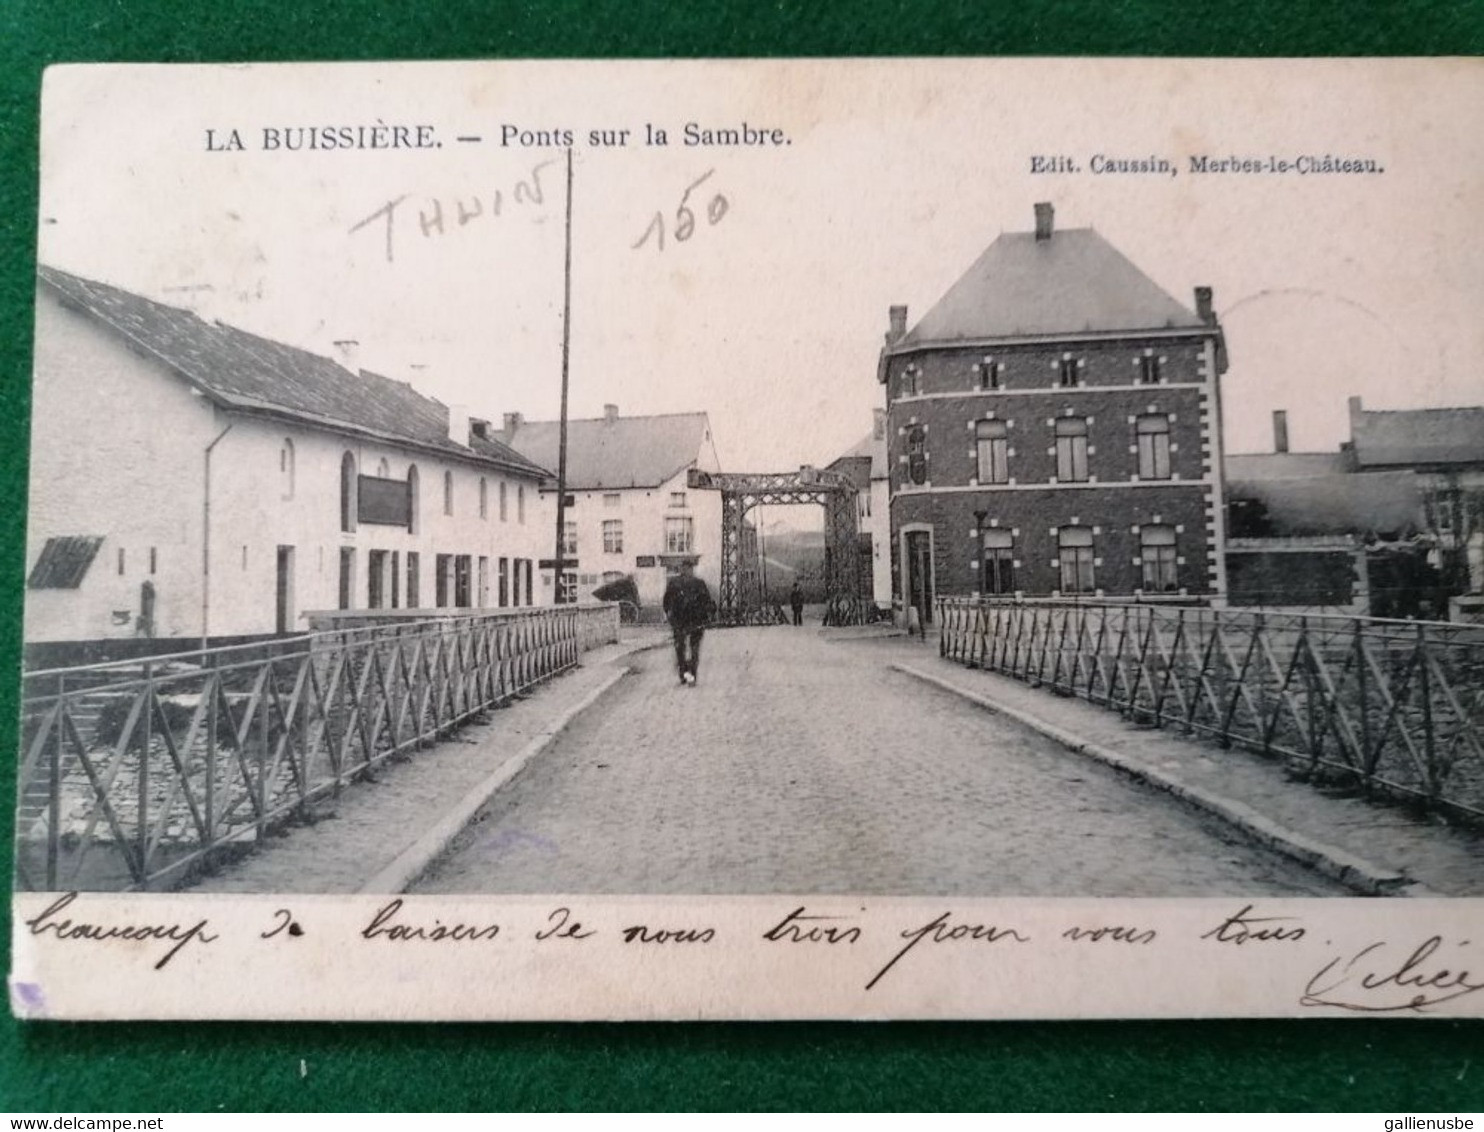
<point x="798" y="765"/>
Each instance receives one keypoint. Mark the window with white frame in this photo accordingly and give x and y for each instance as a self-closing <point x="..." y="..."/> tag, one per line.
<point x="1074" y="552"/>
<point x="1157" y="553"/>
<point x="569" y="540"/>
<point x="997" y="570"/>
<point x="612" y="536"/>
<point x="678" y="532"/>
<point x="992" y="449"/>
<point x="1153" y="434"/>
<point x="1071" y="450"/>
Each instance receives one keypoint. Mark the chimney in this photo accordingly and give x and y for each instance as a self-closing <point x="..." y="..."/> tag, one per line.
<point x="458" y="424"/>
<point x="1355" y="411"/>
<point x="1280" y="431"/>
<point x="1045" y="215"/>
<point x="479" y="428"/>
<point x="896" y="324"/>
<point x="1203" y="307"/>
<point x="610" y="413"/>
<point x="512" y="423"/>
<point x="348" y="354"/>
<point x="878" y="425"/>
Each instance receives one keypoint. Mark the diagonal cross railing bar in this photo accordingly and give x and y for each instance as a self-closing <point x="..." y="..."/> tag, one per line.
<point x="137" y="774"/>
<point x="1395" y="708"/>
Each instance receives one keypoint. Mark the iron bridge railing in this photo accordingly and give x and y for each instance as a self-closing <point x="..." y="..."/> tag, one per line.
<point x="135" y="774"/>
<point x="1392" y="706"/>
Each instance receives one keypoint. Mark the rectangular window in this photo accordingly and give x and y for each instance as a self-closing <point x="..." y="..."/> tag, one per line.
<point x="520" y="503"/>
<point x="529" y="590"/>
<point x="413" y="564"/>
<point x="1071" y="450"/>
<point x="677" y="499"/>
<point x="612" y="499"/>
<point x="678" y="531"/>
<point x="1074" y="551"/>
<point x="1067" y="373"/>
<point x="503" y="572"/>
<point x="461" y="594"/>
<point x="347" y="576"/>
<point x="1157" y="553"/>
<point x="396" y="575"/>
<point x="442" y="569"/>
<point x="917" y="454"/>
<point x="376" y="579"/>
<point x="613" y="536"/>
<point x="1149" y="370"/>
<point x="504" y="502"/>
<point x="989" y="374"/>
<point x="567" y="594"/>
<point x="998" y="567"/>
<point x="483" y="590"/>
<point x="1153" y="433"/>
<point x="992" y="443"/>
<point x="63" y="562"/>
<point x="569" y="541"/>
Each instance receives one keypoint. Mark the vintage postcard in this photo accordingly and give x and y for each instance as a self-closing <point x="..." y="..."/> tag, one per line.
<point x="756" y="539"/>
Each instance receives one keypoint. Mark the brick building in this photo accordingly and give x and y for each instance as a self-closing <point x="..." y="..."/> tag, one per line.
<point x="1054" y="429"/>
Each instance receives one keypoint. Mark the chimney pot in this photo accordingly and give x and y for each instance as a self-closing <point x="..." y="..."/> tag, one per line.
<point x="1203" y="308"/>
<point x="1045" y="220"/>
<point x="878" y="424"/>
<point x="610" y="413"/>
<point x="896" y="324"/>
<point x="1280" y="430"/>
<point x="458" y="425"/>
<point x="513" y="421"/>
<point x="348" y="354"/>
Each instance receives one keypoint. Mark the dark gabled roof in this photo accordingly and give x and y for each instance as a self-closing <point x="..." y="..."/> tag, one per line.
<point x="617" y="453"/>
<point x="1314" y="493"/>
<point x="240" y="370"/>
<point x="1070" y="283"/>
<point x="1417" y="437"/>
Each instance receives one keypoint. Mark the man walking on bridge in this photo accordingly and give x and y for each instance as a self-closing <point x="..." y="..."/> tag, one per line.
<point x="688" y="607"/>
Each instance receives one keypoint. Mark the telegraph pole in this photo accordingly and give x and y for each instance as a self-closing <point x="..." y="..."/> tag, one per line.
<point x="561" y="508"/>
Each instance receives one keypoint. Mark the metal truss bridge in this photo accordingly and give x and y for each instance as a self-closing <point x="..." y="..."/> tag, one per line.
<point x="741" y="600"/>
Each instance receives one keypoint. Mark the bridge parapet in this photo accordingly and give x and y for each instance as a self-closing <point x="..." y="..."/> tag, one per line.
<point x="134" y="774"/>
<point x="1391" y="707"/>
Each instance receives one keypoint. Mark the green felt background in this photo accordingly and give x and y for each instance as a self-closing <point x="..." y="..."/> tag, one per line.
<point x="1361" y="1064"/>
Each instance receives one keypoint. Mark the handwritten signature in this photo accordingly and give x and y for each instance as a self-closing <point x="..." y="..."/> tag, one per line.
<point x="1372" y="980"/>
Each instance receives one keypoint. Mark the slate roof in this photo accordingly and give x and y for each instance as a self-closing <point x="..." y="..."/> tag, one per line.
<point x="619" y="453"/>
<point x="240" y="370"/>
<point x="1418" y="437"/>
<point x="1071" y="283"/>
<point x="1315" y="494"/>
<point x="871" y="447"/>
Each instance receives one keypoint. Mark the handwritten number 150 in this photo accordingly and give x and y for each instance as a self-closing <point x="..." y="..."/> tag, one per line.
<point x="685" y="217"/>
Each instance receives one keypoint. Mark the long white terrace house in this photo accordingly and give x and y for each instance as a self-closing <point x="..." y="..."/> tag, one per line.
<point x="193" y="481"/>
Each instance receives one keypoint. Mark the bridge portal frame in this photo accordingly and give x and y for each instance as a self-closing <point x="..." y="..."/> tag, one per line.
<point x="836" y="492"/>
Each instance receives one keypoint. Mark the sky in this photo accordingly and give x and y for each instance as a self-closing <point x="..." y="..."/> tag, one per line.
<point x="769" y="312"/>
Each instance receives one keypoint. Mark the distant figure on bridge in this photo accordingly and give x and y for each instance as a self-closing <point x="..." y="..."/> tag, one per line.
<point x="688" y="608"/>
<point x="796" y="600"/>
